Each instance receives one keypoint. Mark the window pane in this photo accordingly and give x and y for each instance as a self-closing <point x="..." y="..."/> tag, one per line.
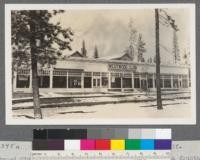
<point x="161" y="83"/>
<point x="98" y="82"/>
<point x="167" y="83"/>
<point x="143" y="84"/>
<point x="127" y="83"/>
<point x="115" y="82"/>
<point x="150" y="83"/>
<point x="23" y="81"/>
<point x="185" y="83"/>
<point x="104" y="81"/>
<point x="87" y="82"/>
<point x="96" y="74"/>
<point x="74" y="82"/>
<point x="175" y="83"/>
<point x="94" y="82"/>
<point x="136" y="83"/>
<point x="43" y="81"/>
<point x="59" y="82"/>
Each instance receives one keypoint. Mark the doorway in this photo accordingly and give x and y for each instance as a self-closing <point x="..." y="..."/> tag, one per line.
<point x="144" y="84"/>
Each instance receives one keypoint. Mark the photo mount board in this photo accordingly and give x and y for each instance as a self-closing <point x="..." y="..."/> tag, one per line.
<point x="101" y="121"/>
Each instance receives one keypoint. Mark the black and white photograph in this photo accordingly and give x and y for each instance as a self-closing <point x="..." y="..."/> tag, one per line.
<point x="100" y="64"/>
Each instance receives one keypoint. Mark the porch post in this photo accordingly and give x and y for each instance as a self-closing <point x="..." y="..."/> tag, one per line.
<point x="121" y="83"/>
<point x="82" y="80"/>
<point x="67" y="79"/>
<point x="132" y="80"/>
<point x="109" y="80"/>
<point x="15" y="81"/>
<point x="181" y="80"/>
<point x="153" y="79"/>
<point x="92" y="80"/>
<point x="100" y="79"/>
<point x="188" y="82"/>
<point x="147" y="80"/>
<point x="51" y="78"/>
<point x="30" y="80"/>
<point x="172" y="81"/>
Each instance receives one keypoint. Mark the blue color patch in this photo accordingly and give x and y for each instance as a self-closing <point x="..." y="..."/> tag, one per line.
<point x="147" y="144"/>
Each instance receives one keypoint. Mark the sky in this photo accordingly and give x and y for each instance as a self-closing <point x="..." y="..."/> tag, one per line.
<point x="109" y="31"/>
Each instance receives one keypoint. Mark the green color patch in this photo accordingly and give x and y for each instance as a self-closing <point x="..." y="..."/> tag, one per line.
<point x="132" y="144"/>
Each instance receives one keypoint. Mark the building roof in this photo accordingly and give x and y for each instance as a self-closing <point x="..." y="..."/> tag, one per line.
<point x="124" y="57"/>
<point x="76" y="54"/>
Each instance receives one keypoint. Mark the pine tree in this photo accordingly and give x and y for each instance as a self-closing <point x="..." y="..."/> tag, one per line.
<point x="83" y="49"/>
<point x="96" y="54"/>
<point x="175" y="50"/>
<point x="33" y="39"/>
<point x="132" y="40"/>
<point x="140" y="48"/>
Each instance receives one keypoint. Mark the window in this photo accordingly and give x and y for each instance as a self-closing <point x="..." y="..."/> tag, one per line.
<point x="87" y="82"/>
<point x="185" y="83"/>
<point x="43" y="81"/>
<point x="136" y="82"/>
<point x="175" y="82"/>
<point x="115" y="82"/>
<point x="104" y="81"/>
<point x="74" y="79"/>
<point x="150" y="80"/>
<point x="150" y="83"/>
<point x="74" y="82"/>
<point x="23" y="81"/>
<point x="96" y="73"/>
<point x="161" y="82"/>
<point x="143" y="84"/>
<point x="98" y="82"/>
<point x="167" y="83"/>
<point x="94" y="82"/>
<point x="127" y="83"/>
<point x="59" y="82"/>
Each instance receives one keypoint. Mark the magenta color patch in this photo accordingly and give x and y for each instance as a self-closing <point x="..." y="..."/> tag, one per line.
<point x="87" y="144"/>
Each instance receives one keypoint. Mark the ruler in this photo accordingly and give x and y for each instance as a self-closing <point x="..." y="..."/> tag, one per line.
<point x="101" y="155"/>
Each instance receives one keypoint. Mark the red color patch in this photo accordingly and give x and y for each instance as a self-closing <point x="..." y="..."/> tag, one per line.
<point x="102" y="144"/>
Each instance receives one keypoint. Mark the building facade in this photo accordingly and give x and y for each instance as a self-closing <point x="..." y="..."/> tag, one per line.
<point x="78" y="74"/>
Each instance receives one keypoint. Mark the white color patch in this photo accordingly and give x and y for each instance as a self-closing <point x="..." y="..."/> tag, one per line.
<point x="163" y="134"/>
<point x="72" y="144"/>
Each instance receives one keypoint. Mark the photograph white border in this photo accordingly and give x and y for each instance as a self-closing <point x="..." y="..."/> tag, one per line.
<point x="147" y="121"/>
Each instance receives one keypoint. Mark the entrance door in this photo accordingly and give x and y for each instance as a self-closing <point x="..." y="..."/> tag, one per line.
<point x="144" y="84"/>
<point x="96" y="84"/>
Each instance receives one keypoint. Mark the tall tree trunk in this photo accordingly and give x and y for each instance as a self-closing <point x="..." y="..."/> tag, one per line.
<point x="159" y="99"/>
<point x="35" y="88"/>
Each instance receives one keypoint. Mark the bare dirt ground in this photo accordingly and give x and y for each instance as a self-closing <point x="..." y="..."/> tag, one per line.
<point x="179" y="108"/>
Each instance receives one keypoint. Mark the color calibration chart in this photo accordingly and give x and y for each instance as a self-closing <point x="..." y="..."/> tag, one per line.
<point x="114" y="144"/>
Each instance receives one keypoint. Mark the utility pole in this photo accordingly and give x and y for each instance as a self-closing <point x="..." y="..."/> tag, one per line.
<point x="158" y="89"/>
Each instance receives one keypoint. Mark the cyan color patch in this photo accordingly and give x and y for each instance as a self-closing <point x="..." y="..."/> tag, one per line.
<point x="147" y="144"/>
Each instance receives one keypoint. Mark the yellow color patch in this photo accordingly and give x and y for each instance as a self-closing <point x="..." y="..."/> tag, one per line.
<point x="117" y="144"/>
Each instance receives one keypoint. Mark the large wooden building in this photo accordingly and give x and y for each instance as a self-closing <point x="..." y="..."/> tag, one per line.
<point x="81" y="74"/>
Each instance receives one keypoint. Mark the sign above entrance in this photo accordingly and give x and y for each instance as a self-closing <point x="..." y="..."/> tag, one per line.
<point x="122" y="67"/>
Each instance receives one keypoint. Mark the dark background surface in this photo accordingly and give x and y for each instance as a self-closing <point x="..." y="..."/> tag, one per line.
<point x="24" y="132"/>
